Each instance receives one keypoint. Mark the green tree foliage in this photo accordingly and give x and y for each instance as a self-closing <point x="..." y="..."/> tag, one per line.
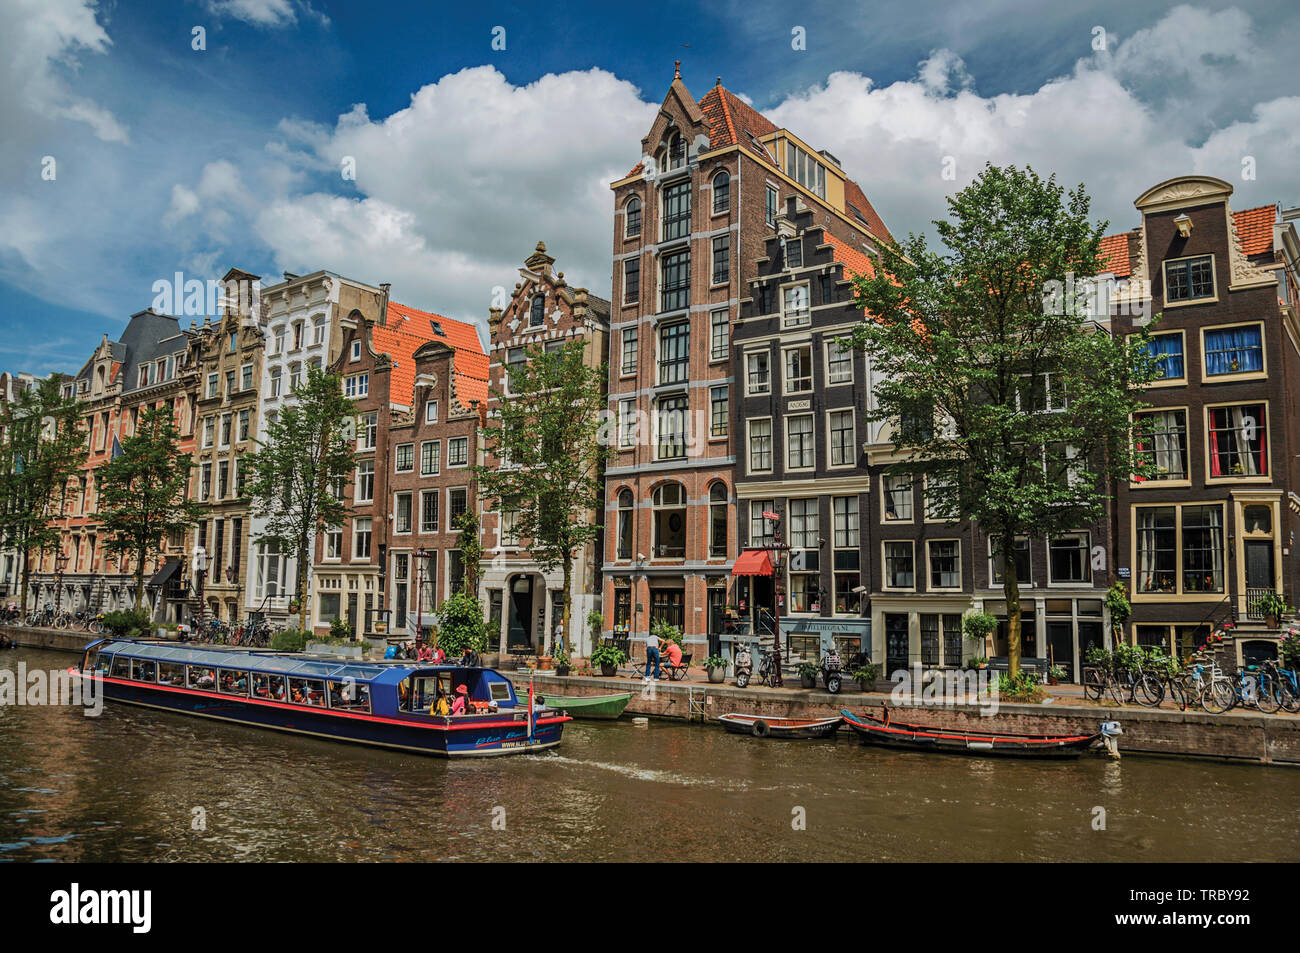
<point x="300" y="472"/>
<point x="548" y="433"/>
<point x="143" y="492"/>
<point x="461" y="625"/>
<point x="42" y="445"/>
<point x="1019" y="410"/>
<point x="470" y="543"/>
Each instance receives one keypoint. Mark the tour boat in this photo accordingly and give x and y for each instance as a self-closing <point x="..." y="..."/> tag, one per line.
<point x="387" y="705"/>
<point x="604" y="707"/>
<point x="763" y="727"/>
<point x="888" y="733"/>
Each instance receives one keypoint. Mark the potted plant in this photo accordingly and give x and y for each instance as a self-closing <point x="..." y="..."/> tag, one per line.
<point x="561" y="659"/>
<point x="716" y="666"/>
<point x="608" y="658"/>
<point x="544" y="663"/>
<point x="977" y="662"/>
<point x="865" y="676"/>
<point x="1055" y="674"/>
<point x="1272" y="606"/>
<point x="978" y="626"/>
<point x="807" y="675"/>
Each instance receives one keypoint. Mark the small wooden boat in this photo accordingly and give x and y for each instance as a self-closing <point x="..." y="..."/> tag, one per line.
<point x="887" y="733"/>
<point x="604" y="707"/>
<point x="763" y="727"/>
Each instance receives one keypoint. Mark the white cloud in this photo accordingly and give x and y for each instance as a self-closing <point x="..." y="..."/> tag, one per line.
<point x="264" y="13"/>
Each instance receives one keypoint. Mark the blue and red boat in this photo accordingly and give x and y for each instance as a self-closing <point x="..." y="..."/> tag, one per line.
<point x="388" y="705"/>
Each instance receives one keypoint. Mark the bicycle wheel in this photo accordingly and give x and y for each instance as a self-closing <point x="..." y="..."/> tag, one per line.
<point x="1266" y="694"/>
<point x="1117" y="691"/>
<point x="1148" y="691"/>
<point x="1218" y="696"/>
<point x="1288" y="694"/>
<point x="1176" y="691"/>
<point x="1093" y="684"/>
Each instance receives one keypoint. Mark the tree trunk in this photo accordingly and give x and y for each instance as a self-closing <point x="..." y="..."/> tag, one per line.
<point x="301" y="586"/>
<point x="27" y="575"/>
<point x="139" y="580"/>
<point x="1011" y="590"/>
<point x="568" y="603"/>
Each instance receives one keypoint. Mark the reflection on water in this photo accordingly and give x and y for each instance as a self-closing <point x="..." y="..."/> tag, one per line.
<point x="124" y="787"/>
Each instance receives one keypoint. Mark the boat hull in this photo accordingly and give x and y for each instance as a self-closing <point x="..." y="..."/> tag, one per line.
<point x="602" y="707"/>
<point x="911" y="737"/>
<point x="788" y="728"/>
<point x="464" y="736"/>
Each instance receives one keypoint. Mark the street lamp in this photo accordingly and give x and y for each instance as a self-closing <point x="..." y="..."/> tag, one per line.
<point x="421" y="555"/>
<point x="776" y="548"/>
<point x="232" y="578"/>
<point x="199" y="567"/>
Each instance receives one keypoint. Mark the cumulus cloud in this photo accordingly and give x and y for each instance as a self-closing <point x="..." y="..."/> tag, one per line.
<point x="272" y="14"/>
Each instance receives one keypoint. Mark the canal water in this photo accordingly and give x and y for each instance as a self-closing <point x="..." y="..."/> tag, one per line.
<point x="134" y="784"/>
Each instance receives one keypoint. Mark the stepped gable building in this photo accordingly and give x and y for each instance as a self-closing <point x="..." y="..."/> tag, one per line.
<point x="691" y="222"/>
<point x="1213" y="526"/>
<point x="432" y="446"/>
<point x="798" y="418"/>
<point x="229" y="352"/>
<point x="377" y="365"/>
<point x="525" y="604"/>
<point x="153" y="364"/>
<point x="302" y="319"/>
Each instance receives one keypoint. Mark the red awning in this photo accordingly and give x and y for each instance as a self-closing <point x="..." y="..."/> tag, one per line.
<point x="753" y="562"/>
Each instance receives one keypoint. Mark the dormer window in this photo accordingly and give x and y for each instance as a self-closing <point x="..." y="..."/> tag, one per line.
<point x="1188" y="279"/>
<point x="805" y="170"/>
<point x="674" y="154"/>
<point x="537" y="315"/>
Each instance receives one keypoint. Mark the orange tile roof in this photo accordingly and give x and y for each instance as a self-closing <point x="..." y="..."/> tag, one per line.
<point x="1115" y="256"/>
<point x="1255" y="229"/>
<point x="855" y="262"/>
<point x="407" y="328"/>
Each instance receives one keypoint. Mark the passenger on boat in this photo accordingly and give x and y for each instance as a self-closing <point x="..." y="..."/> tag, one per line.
<point x="440" y="706"/>
<point x="207" y="679"/>
<point x="390" y="652"/>
<point x="458" y="706"/>
<point x="425" y="653"/>
<point x="439" y="656"/>
<point x="470" y="658"/>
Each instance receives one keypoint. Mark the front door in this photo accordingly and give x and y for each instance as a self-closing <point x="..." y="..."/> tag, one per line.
<point x="1060" y="642"/>
<point x="896" y="642"/>
<point x="521" y="613"/>
<point x="1090" y="636"/>
<point x="1259" y="564"/>
<point x="352" y="612"/>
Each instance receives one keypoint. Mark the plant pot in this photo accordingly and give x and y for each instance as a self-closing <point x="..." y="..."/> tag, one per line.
<point x="1052" y="680"/>
<point x="608" y="670"/>
<point x="807" y="681"/>
<point x="1271" y="620"/>
<point x="864" y="685"/>
<point x="561" y="670"/>
<point x="718" y="675"/>
<point x="544" y="663"/>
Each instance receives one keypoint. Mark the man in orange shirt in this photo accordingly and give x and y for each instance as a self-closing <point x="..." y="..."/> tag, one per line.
<point x="674" y="652"/>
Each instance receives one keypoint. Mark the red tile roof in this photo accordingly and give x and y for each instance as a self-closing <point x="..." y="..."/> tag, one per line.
<point x="1114" y="255"/>
<point x="407" y="328"/>
<point x="855" y="262"/>
<point x="1255" y="229"/>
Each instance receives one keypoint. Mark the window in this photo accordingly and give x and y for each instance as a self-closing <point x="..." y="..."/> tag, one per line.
<point x="845" y="513"/>
<point x="674" y="154"/>
<point x="226" y="422"/>
<point x="758" y="377"/>
<point x="356" y="385"/>
<point x="279" y="340"/>
<point x="839" y="362"/>
<point x="1068" y="559"/>
<point x="627" y="427"/>
<point x="430" y="411"/>
<point x="628" y="362"/>
<point x="940" y="497"/>
<point x="295" y="376"/>
<point x="721" y="259"/>
<point x="429" y="511"/>
<point x="246" y="377"/>
<point x="717" y="521"/>
<point x="365" y="481"/>
<point x="1189" y="279"/>
<point x="793" y="254"/>
<point x="760" y="445"/>
<point x="457" y="503"/>
<point x="1161" y="444"/>
<point x="223" y="479"/>
<point x="719" y="335"/>
<point x="798" y="369"/>
<point x="367" y="430"/>
<point x="334" y="542"/>
<point x="899" y="569"/>
<point x="430" y="457"/>
<point x="230" y="383"/>
<point x="356" y="350"/>
<point x="805" y="170"/>
<point x="275" y="381"/>
<point x="632" y="221"/>
<point x="721" y="193"/>
<point x="897" y="494"/>
<point x="842" y="438"/>
<point x="209" y="430"/>
<point x="674" y="352"/>
<point x="405" y="458"/>
<point x="671" y="420"/>
<point x="771" y="205"/>
<point x="1041" y="392"/>
<point x="677" y="210"/>
<point x="1238" y="350"/>
<point x="318" y="331"/>
<point x="761" y="530"/>
<point x="537" y="311"/>
<point x="458" y="451"/>
<point x="1020" y="556"/>
<point x="402" y="514"/>
<point x="626" y="519"/>
<point x="805" y="531"/>
<point x="794" y="307"/>
<point x="631" y="280"/>
<point x="1179" y="553"/>
<point x="945" y="564"/>
<point x="676" y="284"/>
<point x="205" y="481"/>
<point x="361" y="539"/>
<point x="297" y="335"/>
<point x="799" y="442"/>
<point x="1167" y="351"/>
<point x="718" y="412"/>
<point x="1238" y="441"/>
<point x="668" y="509"/>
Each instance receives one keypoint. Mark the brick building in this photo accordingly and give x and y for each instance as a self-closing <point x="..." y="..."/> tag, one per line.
<point x="691" y="221"/>
<point x="525" y="603"/>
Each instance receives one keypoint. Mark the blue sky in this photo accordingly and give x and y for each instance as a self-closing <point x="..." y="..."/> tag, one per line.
<point x="168" y="158"/>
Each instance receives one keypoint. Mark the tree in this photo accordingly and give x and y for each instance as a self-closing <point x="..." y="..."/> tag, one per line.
<point x="143" y="492"/>
<point x="1009" y="394"/>
<point x="470" y="543"/>
<point x="300" y="471"/>
<point x="42" y="445"/>
<point x="547" y="434"/>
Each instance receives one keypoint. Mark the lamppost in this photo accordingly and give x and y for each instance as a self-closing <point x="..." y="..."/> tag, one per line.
<point x="776" y="549"/>
<point x="421" y="555"/>
<point x="199" y="567"/>
<point x="232" y="578"/>
<point x="60" y="562"/>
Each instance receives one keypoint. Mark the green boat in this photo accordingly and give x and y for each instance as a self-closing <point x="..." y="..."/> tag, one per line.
<point x="589" y="706"/>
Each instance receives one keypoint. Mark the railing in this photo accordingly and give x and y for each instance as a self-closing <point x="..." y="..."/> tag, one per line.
<point x="1253" y="599"/>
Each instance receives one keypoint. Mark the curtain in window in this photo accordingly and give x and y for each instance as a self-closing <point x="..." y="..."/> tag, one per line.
<point x="1168" y="440"/>
<point x="1233" y="351"/>
<point x="1167" y="349"/>
<point x="1232" y="452"/>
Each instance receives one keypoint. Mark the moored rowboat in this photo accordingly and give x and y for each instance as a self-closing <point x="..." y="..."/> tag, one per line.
<point x="590" y="706"/>
<point x="764" y="727"/>
<point x="888" y="733"/>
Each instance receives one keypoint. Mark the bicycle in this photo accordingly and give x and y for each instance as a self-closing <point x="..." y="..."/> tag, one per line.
<point x="1288" y="688"/>
<point x="1213" y="690"/>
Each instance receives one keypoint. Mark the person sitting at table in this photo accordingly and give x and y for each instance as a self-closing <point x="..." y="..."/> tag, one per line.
<point x="674" y="653"/>
<point x="458" y="706"/>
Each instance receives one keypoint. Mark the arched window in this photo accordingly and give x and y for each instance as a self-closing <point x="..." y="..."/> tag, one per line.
<point x="632" y="218"/>
<point x="676" y="151"/>
<point x="626" y="516"/>
<point x="721" y="192"/>
<point x="669" y="506"/>
<point x="320" y="330"/>
<point x="538" y="313"/>
<point x="718" y="521"/>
